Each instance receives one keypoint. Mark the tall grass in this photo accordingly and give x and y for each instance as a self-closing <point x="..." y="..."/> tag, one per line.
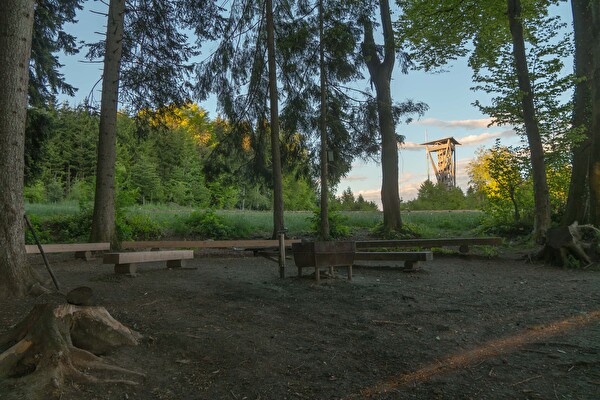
<point x="259" y="224"/>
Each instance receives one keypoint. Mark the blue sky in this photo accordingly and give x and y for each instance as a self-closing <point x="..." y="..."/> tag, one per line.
<point x="448" y="95"/>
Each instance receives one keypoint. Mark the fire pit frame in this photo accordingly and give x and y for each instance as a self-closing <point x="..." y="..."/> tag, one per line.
<point x="324" y="254"/>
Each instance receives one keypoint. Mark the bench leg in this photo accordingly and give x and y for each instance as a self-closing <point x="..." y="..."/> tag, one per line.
<point x="129" y="269"/>
<point x="411" y="265"/>
<point x="299" y="271"/>
<point x="350" y="272"/>
<point x="331" y="272"/>
<point x="175" y="263"/>
<point x="317" y="275"/>
<point x="84" y="255"/>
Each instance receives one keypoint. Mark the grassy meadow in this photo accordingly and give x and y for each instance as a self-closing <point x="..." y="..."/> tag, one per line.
<point x="67" y="222"/>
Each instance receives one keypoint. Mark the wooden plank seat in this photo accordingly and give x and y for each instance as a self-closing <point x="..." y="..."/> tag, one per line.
<point x="462" y="243"/>
<point x="250" y="244"/>
<point x="126" y="263"/>
<point x="411" y="258"/>
<point x="81" y="250"/>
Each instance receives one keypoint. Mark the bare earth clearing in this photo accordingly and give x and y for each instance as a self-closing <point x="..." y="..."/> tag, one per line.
<point x="464" y="327"/>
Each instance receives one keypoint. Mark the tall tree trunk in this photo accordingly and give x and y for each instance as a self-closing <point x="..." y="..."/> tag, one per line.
<point x="540" y="184"/>
<point x="381" y="76"/>
<point x="595" y="130"/>
<point x="16" y="26"/>
<point x="323" y="131"/>
<point x="103" y="221"/>
<point x="275" y="145"/>
<point x="577" y="208"/>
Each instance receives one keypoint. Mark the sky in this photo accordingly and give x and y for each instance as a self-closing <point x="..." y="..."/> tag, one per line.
<point x="448" y="95"/>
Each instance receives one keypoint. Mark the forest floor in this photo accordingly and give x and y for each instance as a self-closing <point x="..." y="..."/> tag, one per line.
<point x="463" y="327"/>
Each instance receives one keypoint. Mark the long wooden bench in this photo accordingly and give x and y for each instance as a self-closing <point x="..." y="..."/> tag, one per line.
<point x="81" y="250"/>
<point x="126" y="263"/>
<point x="411" y="258"/>
<point x="206" y="244"/>
<point x="462" y="243"/>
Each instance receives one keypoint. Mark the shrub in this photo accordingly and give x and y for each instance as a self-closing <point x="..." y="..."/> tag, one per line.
<point x="337" y="224"/>
<point x="138" y="227"/>
<point x="207" y="225"/>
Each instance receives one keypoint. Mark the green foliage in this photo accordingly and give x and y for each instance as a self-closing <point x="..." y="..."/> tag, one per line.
<point x="347" y="202"/>
<point x="35" y="193"/>
<point x="338" y="224"/>
<point x="61" y="228"/>
<point x="138" y="227"/>
<point x="55" y="192"/>
<point x="437" y="197"/>
<point x="208" y="225"/>
<point x="298" y="193"/>
<point x="41" y="231"/>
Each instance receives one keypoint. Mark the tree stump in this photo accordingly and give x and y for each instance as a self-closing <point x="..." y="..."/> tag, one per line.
<point x="565" y="246"/>
<point x="59" y="342"/>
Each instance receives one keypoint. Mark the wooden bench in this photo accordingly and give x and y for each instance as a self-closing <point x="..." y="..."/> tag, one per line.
<point x="81" y="250"/>
<point x="411" y="258"/>
<point x="126" y="263"/>
<point x="206" y="244"/>
<point x="462" y="243"/>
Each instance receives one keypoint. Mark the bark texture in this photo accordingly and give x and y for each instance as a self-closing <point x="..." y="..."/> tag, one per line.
<point x="16" y="26"/>
<point x="595" y="130"/>
<point x="380" y="72"/>
<point x="323" y="130"/>
<point x="275" y="144"/>
<point x="57" y="342"/>
<point x="540" y="184"/>
<point x="577" y="208"/>
<point x="103" y="220"/>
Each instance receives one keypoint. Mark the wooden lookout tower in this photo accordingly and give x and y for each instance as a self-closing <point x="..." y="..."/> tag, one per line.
<point x="445" y="169"/>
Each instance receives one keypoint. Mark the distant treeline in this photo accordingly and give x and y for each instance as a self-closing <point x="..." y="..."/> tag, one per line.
<point x="178" y="155"/>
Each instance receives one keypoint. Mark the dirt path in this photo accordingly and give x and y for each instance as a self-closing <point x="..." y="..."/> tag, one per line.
<point x="461" y="328"/>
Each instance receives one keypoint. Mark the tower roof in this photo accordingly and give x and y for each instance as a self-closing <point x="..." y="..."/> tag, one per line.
<point x="438" y="141"/>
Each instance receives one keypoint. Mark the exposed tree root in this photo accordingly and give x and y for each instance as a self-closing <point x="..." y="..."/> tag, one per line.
<point x="54" y="344"/>
<point x="571" y="246"/>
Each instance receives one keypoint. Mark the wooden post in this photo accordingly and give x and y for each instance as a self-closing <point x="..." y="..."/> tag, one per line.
<point x="282" y="254"/>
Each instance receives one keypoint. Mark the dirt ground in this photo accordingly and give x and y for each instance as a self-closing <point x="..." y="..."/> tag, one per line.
<point x="463" y="327"/>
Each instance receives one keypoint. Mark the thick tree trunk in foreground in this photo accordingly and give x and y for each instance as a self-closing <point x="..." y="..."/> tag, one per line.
<point x="275" y="150"/>
<point x="57" y="342"/>
<point x="540" y="185"/>
<point x="103" y="220"/>
<point x="595" y="130"/>
<point x="16" y="26"/>
<point x="381" y="75"/>
<point x="323" y="131"/>
<point x="577" y="208"/>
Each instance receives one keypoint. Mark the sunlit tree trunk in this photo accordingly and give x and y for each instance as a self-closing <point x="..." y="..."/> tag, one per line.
<point x="577" y="208"/>
<point x="381" y="75"/>
<point x="540" y="185"/>
<point x="275" y="150"/>
<point x="103" y="221"/>
<point x="16" y="26"/>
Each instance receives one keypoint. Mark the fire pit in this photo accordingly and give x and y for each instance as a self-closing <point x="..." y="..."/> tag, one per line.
<point x="324" y="254"/>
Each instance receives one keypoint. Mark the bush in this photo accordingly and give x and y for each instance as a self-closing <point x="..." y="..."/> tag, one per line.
<point x="337" y="224"/>
<point x="207" y="225"/>
<point x="35" y="193"/>
<point x="138" y="227"/>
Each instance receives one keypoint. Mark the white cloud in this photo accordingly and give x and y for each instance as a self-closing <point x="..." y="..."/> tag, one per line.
<point x="411" y="146"/>
<point x="472" y="140"/>
<point x="463" y="123"/>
